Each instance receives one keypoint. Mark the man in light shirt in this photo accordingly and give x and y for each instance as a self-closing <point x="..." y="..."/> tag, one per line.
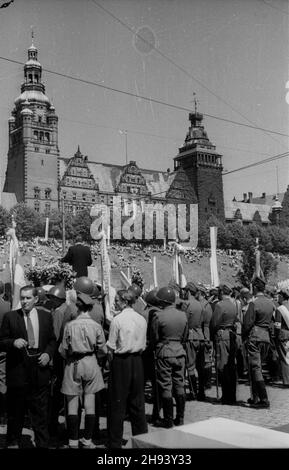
<point x="126" y="342"/>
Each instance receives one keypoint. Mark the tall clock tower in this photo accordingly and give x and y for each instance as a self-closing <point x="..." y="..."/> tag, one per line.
<point x="203" y="166"/>
<point x="32" y="168"/>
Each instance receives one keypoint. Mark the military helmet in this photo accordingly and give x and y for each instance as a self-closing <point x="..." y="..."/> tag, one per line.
<point x="150" y="297"/>
<point x="57" y="291"/>
<point x="166" y="294"/>
<point x="84" y="284"/>
<point x="41" y="293"/>
<point x="135" y="288"/>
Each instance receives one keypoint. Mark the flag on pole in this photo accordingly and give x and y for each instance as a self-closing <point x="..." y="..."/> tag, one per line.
<point x="258" y="270"/>
<point x="155" y="271"/>
<point x="182" y="277"/>
<point x="105" y="272"/>
<point x="16" y="270"/>
<point x="213" y="259"/>
<point x="46" y="228"/>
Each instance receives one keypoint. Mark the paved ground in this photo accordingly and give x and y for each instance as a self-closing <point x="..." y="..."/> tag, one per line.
<point x="276" y="416"/>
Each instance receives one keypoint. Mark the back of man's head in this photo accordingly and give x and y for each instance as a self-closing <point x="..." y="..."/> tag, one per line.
<point x="78" y="239"/>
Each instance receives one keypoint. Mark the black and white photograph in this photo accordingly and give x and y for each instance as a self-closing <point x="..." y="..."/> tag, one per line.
<point x="144" y="228"/>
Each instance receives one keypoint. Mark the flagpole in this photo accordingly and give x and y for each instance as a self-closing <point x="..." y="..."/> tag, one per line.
<point x="63" y="226"/>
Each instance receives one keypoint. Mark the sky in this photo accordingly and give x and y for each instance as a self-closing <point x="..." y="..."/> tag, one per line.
<point x="233" y="54"/>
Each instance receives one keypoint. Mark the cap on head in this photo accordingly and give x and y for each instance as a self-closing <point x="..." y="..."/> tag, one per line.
<point x="166" y="294"/>
<point x="191" y="287"/>
<point x="126" y="295"/>
<point x="84" y="284"/>
<point x="175" y="286"/>
<point x="202" y="289"/>
<point x="226" y="289"/>
<point x="214" y="291"/>
<point x="84" y="298"/>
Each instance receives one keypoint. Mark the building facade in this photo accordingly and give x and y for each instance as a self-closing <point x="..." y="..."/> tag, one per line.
<point x="37" y="174"/>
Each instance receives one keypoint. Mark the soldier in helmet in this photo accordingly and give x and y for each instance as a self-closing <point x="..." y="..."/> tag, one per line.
<point x="208" y="347"/>
<point x="61" y="314"/>
<point x="256" y="324"/>
<point x="195" y="346"/>
<point x="42" y="297"/>
<point x="223" y="329"/>
<point x="148" y="354"/>
<point x="169" y="331"/>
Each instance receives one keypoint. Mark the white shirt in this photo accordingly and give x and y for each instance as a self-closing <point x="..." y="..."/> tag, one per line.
<point x="127" y="332"/>
<point x="35" y="325"/>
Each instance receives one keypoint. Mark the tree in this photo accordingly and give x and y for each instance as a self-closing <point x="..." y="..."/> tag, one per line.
<point x="5" y="220"/>
<point x="29" y="223"/>
<point x="267" y="261"/>
<point x="81" y="225"/>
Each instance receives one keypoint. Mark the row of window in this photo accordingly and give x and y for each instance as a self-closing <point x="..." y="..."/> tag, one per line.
<point x="36" y="149"/>
<point x="75" y="182"/>
<point x="41" y="136"/>
<point x="47" y="207"/>
<point x="73" y="196"/>
<point x="37" y="193"/>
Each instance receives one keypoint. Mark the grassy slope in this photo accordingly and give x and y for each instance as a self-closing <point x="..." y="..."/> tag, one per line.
<point x="197" y="269"/>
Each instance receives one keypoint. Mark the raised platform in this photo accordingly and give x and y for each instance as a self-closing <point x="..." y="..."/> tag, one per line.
<point x="214" y="433"/>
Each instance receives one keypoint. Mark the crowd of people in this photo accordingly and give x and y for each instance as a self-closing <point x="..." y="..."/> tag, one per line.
<point x="60" y="354"/>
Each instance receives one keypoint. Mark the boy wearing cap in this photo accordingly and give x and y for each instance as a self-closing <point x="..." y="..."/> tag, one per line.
<point x="255" y="333"/>
<point x="83" y="339"/>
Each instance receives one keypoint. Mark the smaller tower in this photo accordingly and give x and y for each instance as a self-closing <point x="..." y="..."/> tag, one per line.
<point x="203" y="166"/>
<point x="276" y="211"/>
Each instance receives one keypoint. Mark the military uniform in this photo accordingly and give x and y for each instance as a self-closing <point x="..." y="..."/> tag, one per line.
<point x="208" y="345"/>
<point x="169" y="330"/>
<point x="256" y="335"/>
<point x="282" y="341"/>
<point x="195" y="346"/>
<point x="223" y="327"/>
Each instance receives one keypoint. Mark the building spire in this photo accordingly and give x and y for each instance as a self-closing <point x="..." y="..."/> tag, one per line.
<point x="196" y="102"/>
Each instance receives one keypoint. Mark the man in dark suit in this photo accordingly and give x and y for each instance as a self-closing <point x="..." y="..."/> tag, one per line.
<point x="4" y="308"/>
<point x="79" y="257"/>
<point x="27" y="336"/>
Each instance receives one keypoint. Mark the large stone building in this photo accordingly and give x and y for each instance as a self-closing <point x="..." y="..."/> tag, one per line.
<point x="33" y="155"/>
<point x="37" y="174"/>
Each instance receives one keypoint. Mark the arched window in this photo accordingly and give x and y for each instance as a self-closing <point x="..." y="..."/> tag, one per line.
<point x="35" y="135"/>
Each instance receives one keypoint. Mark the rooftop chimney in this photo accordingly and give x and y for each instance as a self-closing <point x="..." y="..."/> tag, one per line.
<point x="250" y="198"/>
<point x="263" y="195"/>
<point x="244" y="197"/>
